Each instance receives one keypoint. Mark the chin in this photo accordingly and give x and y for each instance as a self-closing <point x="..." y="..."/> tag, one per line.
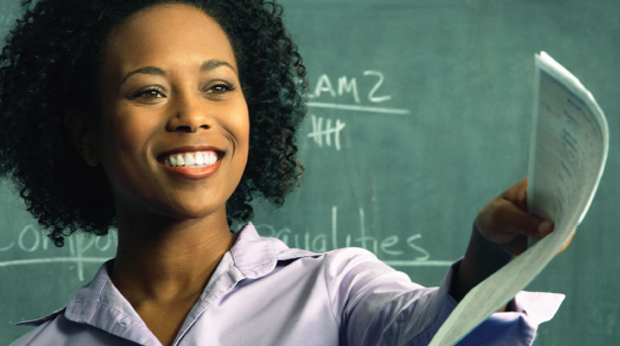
<point x="198" y="212"/>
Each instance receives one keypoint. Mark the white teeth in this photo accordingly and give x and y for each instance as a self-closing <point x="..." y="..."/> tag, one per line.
<point x="209" y="158"/>
<point x="194" y="159"/>
<point x="189" y="160"/>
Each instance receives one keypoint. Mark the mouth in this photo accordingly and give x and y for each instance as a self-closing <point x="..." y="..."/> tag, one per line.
<point x="192" y="162"/>
<point x="195" y="159"/>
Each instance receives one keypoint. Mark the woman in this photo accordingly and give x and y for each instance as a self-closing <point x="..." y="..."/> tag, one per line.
<point x="164" y="119"/>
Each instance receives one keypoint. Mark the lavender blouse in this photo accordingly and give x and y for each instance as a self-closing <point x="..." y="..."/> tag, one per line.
<point x="264" y="293"/>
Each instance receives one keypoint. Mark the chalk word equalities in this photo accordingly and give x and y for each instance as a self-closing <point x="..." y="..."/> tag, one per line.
<point x="416" y="255"/>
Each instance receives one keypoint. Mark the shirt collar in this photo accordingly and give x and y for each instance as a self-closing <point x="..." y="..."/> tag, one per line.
<point x="253" y="255"/>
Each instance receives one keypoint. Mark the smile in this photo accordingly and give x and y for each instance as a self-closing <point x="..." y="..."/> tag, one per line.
<point x="196" y="159"/>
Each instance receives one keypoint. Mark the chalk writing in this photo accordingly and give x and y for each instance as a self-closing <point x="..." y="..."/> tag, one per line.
<point x="359" y="108"/>
<point x="318" y="132"/>
<point x="347" y="89"/>
<point x="30" y="240"/>
<point x="371" y="94"/>
<point x="86" y="249"/>
<point x="385" y="249"/>
<point x="349" y="86"/>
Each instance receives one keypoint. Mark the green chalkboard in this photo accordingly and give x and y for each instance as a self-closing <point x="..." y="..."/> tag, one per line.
<point x="420" y="112"/>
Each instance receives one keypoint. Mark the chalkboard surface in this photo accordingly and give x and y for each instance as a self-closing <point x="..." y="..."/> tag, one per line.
<point x="420" y="112"/>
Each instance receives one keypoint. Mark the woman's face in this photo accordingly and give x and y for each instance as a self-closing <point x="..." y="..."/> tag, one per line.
<point x="174" y="131"/>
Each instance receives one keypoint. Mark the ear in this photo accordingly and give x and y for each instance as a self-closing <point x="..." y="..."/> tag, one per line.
<point x="81" y="136"/>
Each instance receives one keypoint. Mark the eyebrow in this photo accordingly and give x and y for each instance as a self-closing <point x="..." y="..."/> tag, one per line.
<point x="152" y="70"/>
<point x="213" y="64"/>
<point x="156" y="71"/>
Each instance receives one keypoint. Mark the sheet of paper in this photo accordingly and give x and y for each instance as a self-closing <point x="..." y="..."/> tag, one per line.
<point x="568" y="153"/>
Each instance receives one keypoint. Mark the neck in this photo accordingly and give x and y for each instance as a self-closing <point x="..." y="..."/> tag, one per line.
<point x="166" y="260"/>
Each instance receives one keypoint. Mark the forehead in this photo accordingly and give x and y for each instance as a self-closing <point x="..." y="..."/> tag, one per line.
<point x="167" y="34"/>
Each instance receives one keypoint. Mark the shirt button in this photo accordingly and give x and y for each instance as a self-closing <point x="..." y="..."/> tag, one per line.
<point x="122" y="323"/>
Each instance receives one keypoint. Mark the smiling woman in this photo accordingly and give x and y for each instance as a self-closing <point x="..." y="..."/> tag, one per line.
<point x="64" y="194"/>
<point x="165" y="120"/>
<point x="166" y="91"/>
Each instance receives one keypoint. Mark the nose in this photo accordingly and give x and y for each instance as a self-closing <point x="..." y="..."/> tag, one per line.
<point x="189" y="114"/>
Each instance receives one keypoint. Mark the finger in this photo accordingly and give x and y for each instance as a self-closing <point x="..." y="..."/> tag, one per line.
<point x="509" y="226"/>
<point x="517" y="194"/>
<point x="530" y="225"/>
<point x="501" y="221"/>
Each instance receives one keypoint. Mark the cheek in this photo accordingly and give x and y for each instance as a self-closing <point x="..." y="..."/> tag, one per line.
<point x="242" y="136"/>
<point x="239" y="127"/>
<point x="124" y="138"/>
<point x="244" y="133"/>
<point x="243" y="140"/>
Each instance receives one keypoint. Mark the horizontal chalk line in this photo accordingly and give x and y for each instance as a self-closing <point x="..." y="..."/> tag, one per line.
<point x="419" y="263"/>
<point x="359" y="108"/>
<point x="53" y="260"/>
<point x="103" y="259"/>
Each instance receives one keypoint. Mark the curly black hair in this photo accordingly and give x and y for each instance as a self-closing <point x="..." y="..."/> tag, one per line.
<point x="56" y="50"/>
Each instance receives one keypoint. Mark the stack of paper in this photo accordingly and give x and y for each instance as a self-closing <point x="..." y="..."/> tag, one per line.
<point x="570" y="140"/>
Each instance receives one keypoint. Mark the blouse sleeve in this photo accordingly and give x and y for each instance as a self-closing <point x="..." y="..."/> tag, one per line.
<point x="378" y="305"/>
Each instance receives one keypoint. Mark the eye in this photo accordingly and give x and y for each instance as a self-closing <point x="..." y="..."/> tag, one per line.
<point x="149" y="94"/>
<point x="220" y="88"/>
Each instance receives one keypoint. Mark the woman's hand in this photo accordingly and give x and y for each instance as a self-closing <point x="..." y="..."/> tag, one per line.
<point x="506" y="222"/>
<point x="500" y="232"/>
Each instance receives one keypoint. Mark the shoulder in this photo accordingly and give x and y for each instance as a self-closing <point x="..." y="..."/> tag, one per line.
<point x="329" y="258"/>
<point x="51" y="327"/>
<point x="340" y="263"/>
<point x="254" y="251"/>
<point x="41" y="325"/>
<point x="56" y="329"/>
<point x="250" y="239"/>
<point x="71" y="325"/>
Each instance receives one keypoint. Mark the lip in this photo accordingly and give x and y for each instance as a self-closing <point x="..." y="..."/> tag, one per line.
<point x="192" y="172"/>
